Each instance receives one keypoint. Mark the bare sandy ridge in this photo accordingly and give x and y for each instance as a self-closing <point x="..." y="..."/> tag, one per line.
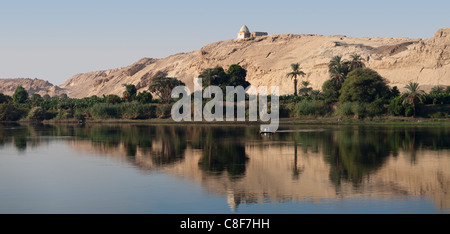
<point x="268" y="58"/>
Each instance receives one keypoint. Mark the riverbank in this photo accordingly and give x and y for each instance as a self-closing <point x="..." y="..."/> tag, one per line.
<point x="283" y="121"/>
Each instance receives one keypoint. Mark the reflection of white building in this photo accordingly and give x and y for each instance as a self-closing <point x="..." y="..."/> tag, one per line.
<point x="232" y="201"/>
<point x="245" y="33"/>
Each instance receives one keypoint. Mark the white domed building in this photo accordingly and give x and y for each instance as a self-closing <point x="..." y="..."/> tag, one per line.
<point x="244" y="32"/>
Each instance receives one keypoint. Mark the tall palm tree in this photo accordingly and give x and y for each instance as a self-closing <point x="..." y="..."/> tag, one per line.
<point x="413" y="93"/>
<point x="355" y="62"/>
<point x="336" y="61"/>
<point x="294" y="74"/>
<point x="209" y="76"/>
<point x="338" y="74"/>
<point x="338" y="69"/>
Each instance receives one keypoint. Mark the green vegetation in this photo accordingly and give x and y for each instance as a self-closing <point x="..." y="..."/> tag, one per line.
<point x="162" y="87"/>
<point x="131" y="106"/>
<point x="235" y="76"/>
<point x="20" y="95"/>
<point x="364" y="85"/>
<point x="130" y="92"/>
<point x="9" y="112"/>
<point x="413" y="95"/>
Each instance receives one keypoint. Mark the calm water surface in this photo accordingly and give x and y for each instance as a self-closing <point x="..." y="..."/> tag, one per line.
<point x="224" y="169"/>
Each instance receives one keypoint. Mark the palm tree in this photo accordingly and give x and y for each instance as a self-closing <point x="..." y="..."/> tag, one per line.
<point x="305" y="90"/>
<point x="355" y="62"/>
<point x="338" y="69"/>
<point x="336" y="61"/>
<point x="338" y="74"/>
<point x="209" y="76"/>
<point x="413" y="94"/>
<point x="294" y="74"/>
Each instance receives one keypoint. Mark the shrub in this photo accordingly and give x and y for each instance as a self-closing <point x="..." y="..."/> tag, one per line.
<point x="4" y="98"/>
<point x="345" y="109"/>
<point x="359" y="109"/>
<point x="144" y="97"/>
<point x="396" y="107"/>
<point x="409" y="111"/>
<point x="286" y="110"/>
<point x="439" y="115"/>
<point x="37" y="114"/>
<point x="312" y="108"/>
<point x="356" y="109"/>
<point x="136" y="110"/>
<point x="375" y="108"/>
<point x="330" y="92"/>
<point x="112" y="99"/>
<point x="105" y="111"/>
<point x="290" y="99"/>
<point x="163" y="110"/>
<point x="65" y="114"/>
<point x="8" y="112"/>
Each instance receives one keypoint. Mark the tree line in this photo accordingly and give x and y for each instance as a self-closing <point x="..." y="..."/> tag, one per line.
<point x="352" y="90"/>
<point x="361" y="92"/>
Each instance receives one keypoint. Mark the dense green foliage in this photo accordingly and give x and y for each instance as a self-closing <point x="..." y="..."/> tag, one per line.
<point x="130" y="92"/>
<point x="438" y="95"/>
<point x="133" y="110"/>
<point x="9" y="112"/>
<point x="312" y="108"/>
<point x="330" y="92"/>
<point x="364" y="85"/>
<point x="144" y="97"/>
<point x="163" y="86"/>
<point x="112" y="99"/>
<point x="397" y="108"/>
<point x="4" y="98"/>
<point x="235" y="76"/>
<point x="20" y="95"/>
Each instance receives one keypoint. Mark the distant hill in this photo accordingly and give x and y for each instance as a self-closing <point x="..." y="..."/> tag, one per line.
<point x="268" y="58"/>
<point x="42" y="87"/>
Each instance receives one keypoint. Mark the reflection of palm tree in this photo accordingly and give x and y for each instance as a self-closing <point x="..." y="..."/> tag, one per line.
<point x="296" y="170"/>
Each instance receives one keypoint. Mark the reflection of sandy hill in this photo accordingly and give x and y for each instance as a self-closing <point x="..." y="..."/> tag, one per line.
<point x="270" y="177"/>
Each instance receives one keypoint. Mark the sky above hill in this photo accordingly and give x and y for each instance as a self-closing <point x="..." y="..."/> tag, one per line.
<point x="54" y="40"/>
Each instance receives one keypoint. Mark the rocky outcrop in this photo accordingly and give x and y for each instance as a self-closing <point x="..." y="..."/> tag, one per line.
<point x="41" y="87"/>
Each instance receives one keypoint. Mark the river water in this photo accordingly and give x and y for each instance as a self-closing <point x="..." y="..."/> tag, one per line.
<point x="214" y="169"/>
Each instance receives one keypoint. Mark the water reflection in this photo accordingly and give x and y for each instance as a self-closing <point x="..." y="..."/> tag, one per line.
<point x="307" y="163"/>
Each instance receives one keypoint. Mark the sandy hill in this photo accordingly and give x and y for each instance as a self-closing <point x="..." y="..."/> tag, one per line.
<point x="268" y="58"/>
<point x="42" y="87"/>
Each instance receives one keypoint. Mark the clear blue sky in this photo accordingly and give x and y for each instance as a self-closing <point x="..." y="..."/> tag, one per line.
<point x="54" y="40"/>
